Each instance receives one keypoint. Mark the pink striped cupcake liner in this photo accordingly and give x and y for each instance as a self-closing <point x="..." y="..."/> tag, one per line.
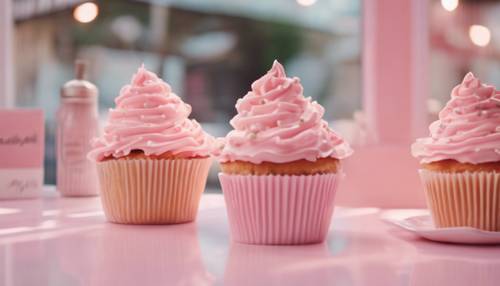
<point x="467" y="199"/>
<point x="147" y="191"/>
<point x="281" y="210"/>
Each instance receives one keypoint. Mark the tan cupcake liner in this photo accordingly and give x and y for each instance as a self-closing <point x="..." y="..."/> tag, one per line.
<point x="463" y="199"/>
<point x="146" y="191"/>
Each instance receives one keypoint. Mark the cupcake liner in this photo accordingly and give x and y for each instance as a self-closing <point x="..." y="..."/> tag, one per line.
<point x="148" y="191"/>
<point x="463" y="199"/>
<point x="279" y="209"/>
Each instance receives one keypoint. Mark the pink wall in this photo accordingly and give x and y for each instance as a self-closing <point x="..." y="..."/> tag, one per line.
<point x="395" y="46"/>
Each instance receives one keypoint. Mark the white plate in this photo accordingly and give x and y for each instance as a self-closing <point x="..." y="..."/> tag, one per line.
<point x="423" y="226"/>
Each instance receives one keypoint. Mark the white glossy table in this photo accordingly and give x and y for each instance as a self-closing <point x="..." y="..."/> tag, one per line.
<point x="67" y="241"/>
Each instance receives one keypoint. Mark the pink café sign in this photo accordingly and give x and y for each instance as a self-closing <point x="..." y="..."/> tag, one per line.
<point x="21" y="153"/>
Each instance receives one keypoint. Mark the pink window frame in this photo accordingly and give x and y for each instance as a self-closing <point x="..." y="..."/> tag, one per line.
<point x="395" y="89"/>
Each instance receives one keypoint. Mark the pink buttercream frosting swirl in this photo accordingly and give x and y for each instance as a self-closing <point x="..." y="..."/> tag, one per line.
<point x="468" y="129"/>
<point x="275" y="123"/>
<point x="149" y="117"/>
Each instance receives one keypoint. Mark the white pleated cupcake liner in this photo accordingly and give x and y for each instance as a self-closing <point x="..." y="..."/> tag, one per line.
<point x="466" y="199"/>
<point x="274" y="209"/>
<point x="149" y="191"/>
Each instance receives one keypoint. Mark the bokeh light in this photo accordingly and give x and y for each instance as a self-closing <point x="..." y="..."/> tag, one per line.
<point x="306" y="2"/>
<point x="86" y="12"/>
<point x="449" y="5"/>
<point x="480" y="35"/>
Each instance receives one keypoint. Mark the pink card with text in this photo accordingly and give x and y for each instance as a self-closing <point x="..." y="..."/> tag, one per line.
<point x="21" y="153"/>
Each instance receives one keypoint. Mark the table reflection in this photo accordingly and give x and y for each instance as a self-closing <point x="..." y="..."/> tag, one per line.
<point x="450" y="264"/>
<point x="68" y="242"/>
<point x="137" y="255"/>
<point x="283" y="265"/>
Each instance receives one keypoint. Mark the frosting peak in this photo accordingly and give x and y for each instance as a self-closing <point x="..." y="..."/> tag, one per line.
<point x="277" y="70"/>
<point x="468" y="129"/>
<point x="151" y="118"/>
<point x="276" y="123"/>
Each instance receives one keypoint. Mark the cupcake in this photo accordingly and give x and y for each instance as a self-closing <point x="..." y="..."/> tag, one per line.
<point x="280" y="165"/>
<point x="460" y="161"/>
<point x="152" y="160"/>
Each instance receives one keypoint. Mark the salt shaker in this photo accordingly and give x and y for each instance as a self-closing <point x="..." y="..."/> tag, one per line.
<point x="77" y="125"/>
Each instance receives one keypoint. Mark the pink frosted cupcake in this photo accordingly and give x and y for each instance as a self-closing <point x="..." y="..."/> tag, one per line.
<point x="461" y="159"/>
<point x="280" y="165"/>
<point x="152" y="160"/>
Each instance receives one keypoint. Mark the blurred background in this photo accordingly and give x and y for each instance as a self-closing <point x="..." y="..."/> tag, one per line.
<point x="464" y="36"/>
<point x="210" y="51"/>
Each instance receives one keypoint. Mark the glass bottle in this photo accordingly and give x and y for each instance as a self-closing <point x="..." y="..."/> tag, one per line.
<point x="77" y="125"/>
